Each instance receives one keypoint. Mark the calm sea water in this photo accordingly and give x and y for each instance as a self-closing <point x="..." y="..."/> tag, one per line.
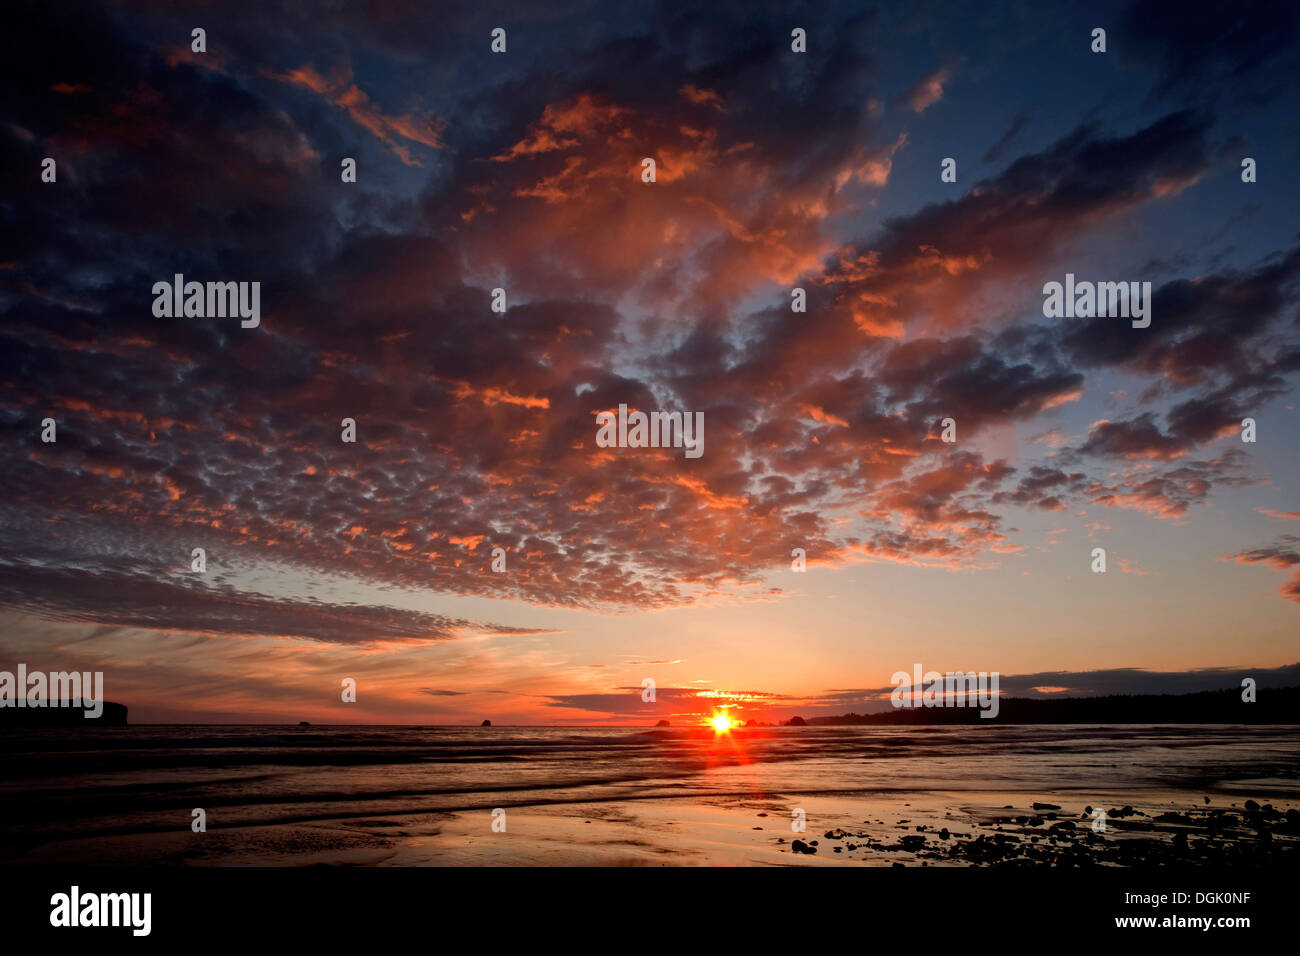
<point x="59" y="784"/>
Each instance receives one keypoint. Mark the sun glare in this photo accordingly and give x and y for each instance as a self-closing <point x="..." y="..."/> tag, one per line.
<point x="721" y="723"/>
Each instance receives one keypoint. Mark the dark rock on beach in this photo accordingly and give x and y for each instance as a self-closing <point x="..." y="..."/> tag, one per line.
<point x="1194" y="835"/>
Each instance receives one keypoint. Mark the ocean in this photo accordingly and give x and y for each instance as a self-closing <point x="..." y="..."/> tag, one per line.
<point x="367" y="795"/>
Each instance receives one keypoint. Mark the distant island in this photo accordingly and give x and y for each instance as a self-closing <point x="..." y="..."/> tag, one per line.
<point x="1273" y="706"/>
<point x="67" y="713"/>
<point x="486" y="723"/>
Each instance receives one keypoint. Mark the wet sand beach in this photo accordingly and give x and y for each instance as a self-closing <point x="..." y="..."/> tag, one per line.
<point x="1004" y="796"/>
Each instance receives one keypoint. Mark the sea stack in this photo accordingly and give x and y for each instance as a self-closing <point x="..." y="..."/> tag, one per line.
<point x="486" y="723"/>
<point x="663" y="723"/>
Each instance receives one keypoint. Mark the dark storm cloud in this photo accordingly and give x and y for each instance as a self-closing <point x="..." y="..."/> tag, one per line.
<point x="121" y="599"/>
<point x="1044" y="487"/>
<point x="1169" y="492"/>
<point x="1140" y="437"/>
<point x="1222" y="337"/>
<point x="1203" y="45"/>
<point x="1017" y="126"/>
<point x="1207" y="326"/>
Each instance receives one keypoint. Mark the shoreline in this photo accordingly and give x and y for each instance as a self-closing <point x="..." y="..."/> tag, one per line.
<point x="1161" y="827"/>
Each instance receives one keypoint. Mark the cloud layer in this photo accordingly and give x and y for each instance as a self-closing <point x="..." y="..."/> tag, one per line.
<point x="475" y="428"/>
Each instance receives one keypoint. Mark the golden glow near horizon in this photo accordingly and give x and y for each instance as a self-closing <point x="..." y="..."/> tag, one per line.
<point x="721" y="723"/>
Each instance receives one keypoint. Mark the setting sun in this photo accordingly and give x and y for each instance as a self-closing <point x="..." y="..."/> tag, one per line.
<point x="720" y="723"/>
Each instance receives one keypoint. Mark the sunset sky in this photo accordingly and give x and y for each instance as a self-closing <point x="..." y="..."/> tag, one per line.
<point x="476" y="429"/>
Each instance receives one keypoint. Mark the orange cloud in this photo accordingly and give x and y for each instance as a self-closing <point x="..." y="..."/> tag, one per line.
<point x="339" y="89"/>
